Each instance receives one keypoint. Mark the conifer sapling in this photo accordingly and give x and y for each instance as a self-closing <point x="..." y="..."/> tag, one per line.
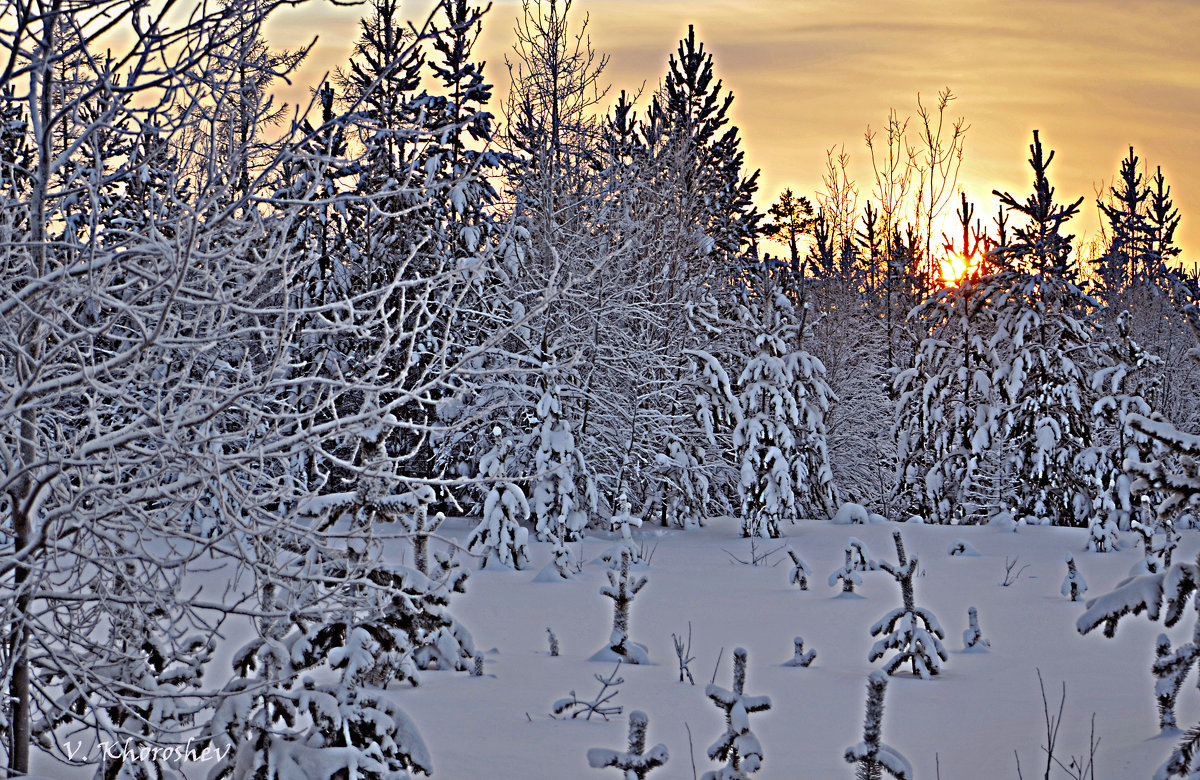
<point x="800" y="657"/>
<point x="738" y="747"/>
<point x="857" y="560"/>
<point x="636" y="763"/>
<point x="621" y="588"/>
<point x="1073" y="585"/>
<point x="914" y="632"/>
<point x="800" y="571"/>
<point x="973" y="637"/>
<point x="872" y="756"/>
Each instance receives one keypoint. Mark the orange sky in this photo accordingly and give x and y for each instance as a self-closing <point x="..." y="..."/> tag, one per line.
<point x="1094" y="77"/>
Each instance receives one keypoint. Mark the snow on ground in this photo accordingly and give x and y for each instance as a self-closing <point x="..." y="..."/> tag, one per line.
<point x="967" y="721"/>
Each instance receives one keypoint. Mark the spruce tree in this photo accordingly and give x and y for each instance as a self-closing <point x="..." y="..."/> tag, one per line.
<point x="1044" y="329"/>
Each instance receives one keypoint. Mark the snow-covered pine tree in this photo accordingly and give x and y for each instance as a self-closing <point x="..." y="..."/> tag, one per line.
<point x="800" y="572"/>
<point x="914" y="632"/>
<point x="1170" y="669"/>
<point x="636" y="762"/>
<point x="780" y="436"/>
<point x="1124" y="383"/>
<point x="500" y="531"/>
<point x="622" y="522"/>
<point x="947" y="416"/>
<point x="1127" y="262"/>
<point x="562" y="489"/>
<point x="621" y="588"/>
<point x="1074" y="585"/>
<point x="1044" y="329"/>
<point x="1164" y="595"/>
<point x="858" y="560"/>
<point x="973" y="637"/>
<point x="871" y="755"/>
<point x="800" y="656"/>
<point x="738" y="747"/>
<point x="686" y="208"/>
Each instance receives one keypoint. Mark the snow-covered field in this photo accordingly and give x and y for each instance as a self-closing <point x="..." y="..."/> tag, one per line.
<point x="966" y="722"/>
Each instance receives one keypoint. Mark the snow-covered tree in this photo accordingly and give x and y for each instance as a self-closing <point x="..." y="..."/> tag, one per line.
<point x="636" y="762"/>
<point x="780" y="436"/>
<point x="738" y="747"/>
<point x="562" y="488"/>
<point x="871" y="755"/>
<point x="914" y="632"/>
<point x="1164" y="595"/>
<point x="948" y="425"/>
<point x="1124" y="384"/>
<point x="1043" y="332"/>
<point x="800" y="572"/>
<point x="858" y="560"/>
<point x="622" y="522"/>
<point x="500" y="530"/>
<point x="1170" y="668"/>
<point x="800" y="656"/>
<point x="973" y="637"/>
<point x="621" y="588"/>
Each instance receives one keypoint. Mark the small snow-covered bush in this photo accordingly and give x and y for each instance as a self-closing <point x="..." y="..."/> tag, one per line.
<point x="636" y="763"/>
<point x="858" y="560"/>
<point x="961" y="547"/>
<point x="850" y="513"/>
<point x="1074" y="585"/>
<point x="800" y="657"/>
<point x="973" y="637"/>
<point x="574" y="706"/>
<point x="800" y="571"/>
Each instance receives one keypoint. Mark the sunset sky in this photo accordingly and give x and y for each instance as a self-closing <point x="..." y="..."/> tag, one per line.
<point x="1093" y="77"/>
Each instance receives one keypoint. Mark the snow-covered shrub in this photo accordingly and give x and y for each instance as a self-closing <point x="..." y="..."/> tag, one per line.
<point x="738" y="747"/>
<point x="1103" y="532"/>
<point x="913" y="632"/>
<point x="961" y="547"/>
<point x="850" y="513"/>
<point x="621" y="588"/>
<point x="800" y="572"/>
<point x="276" y="723"/>
<point x="800" y="657"/>
<point x="1074" y="585"/>
<point x="553" y="642"/>
<point x="683" y="654"/>
<point x="500" y="532"/>
<point x="575" y="706"/>
<point x="1157" y="548"/>
<point x="858" y="560"/>
<point x="872" y="756"/>
<point x="622" y="522"/>
<point x="635" y="763"/>
<point x="973" y="637"/>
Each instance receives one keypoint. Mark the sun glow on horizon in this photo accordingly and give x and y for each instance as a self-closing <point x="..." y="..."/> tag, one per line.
<point x="955" y="268"/>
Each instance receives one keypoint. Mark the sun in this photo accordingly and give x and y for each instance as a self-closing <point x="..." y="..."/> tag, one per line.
<point x="955" y="268"/>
